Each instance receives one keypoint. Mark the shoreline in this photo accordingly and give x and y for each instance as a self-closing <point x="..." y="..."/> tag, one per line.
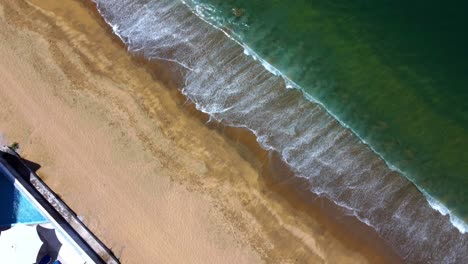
<point x="264" y="196"/>
<point x="290" y="188"/>
<point x="284" y="120"/>
<point x="276" y="177"/>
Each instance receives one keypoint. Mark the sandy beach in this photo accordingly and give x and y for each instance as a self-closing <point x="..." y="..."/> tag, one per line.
<point x="126" y="152"/>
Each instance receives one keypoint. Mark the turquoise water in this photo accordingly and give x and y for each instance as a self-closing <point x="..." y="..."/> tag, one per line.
<point x="15" y="207"/>
<point x="395" y="72"/>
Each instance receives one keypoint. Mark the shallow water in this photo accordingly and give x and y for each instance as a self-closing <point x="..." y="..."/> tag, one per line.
<point x="225" y="82"/>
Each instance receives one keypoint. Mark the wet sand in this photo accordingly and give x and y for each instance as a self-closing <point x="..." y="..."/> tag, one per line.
<point x="152" y="178"/>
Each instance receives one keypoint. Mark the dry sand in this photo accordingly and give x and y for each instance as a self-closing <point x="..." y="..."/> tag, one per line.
<point x="151" y="179"/>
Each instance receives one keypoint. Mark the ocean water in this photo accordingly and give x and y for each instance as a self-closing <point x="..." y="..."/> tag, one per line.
<point x="378" y="99"/>
<point x="395" y="72"/>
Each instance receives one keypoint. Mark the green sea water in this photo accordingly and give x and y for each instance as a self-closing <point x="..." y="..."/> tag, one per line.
<point x="395" y="72"/>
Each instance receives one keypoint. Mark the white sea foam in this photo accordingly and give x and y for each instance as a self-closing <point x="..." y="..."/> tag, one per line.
<point x="442" y="209"/>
